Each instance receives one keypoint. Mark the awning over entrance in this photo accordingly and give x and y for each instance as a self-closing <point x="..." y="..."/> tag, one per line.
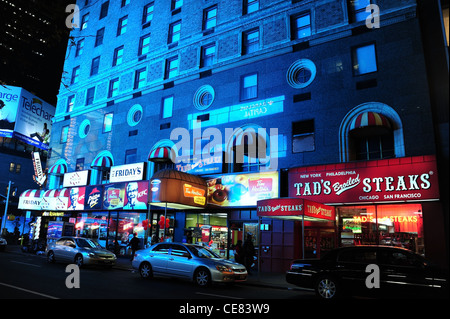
<point x="55" y="199"/>
<point x="295" y="208"/>
<point x="31" y="199"/>
<point x="102" y="161"/>
<point x="173" y="189"/>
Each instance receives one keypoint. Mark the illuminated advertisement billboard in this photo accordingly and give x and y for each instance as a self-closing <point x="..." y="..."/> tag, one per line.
<point x="127" y="196"/>
<point x="242" y="189"/>
<point x="25" y="116"/>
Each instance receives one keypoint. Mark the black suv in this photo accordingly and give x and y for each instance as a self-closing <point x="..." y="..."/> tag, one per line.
<point x="378" y="271"/>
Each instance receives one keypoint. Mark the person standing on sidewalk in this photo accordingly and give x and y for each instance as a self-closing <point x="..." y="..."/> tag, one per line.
<point x="249" y="252"/>
<point x="134" y="244"/>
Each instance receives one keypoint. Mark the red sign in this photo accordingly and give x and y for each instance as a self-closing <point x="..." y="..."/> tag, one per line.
<point x="294" y="207"/>
<point x="393" y="180"/>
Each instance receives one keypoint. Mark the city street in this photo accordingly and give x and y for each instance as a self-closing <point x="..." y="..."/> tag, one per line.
<point x="28" y="276"/>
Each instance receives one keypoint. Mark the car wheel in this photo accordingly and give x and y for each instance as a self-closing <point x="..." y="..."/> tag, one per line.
<point x="145" y="270"/>
<point x="202" y="277"/>
<point x="79" y="260"/>
<point x="327" y="288"/>
<point x="51" y="257"/>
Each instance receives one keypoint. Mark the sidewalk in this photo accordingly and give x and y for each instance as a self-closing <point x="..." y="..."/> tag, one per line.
<point x="270" y="280"/>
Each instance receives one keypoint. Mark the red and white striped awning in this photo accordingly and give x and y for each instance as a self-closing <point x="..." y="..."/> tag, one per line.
<point x="102" y="161"/>
<point x="162" y="154"/>
<point x="31" y="199"/>
<point x="58" y="169"/>
<point x="55" y="199"/>
<point x="370" y="119"/>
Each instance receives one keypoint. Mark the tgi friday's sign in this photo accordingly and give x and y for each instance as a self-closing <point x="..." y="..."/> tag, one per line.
<point x="393" y="180"/>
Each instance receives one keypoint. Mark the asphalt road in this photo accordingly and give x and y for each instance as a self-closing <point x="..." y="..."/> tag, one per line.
<point x="27" y="276"/>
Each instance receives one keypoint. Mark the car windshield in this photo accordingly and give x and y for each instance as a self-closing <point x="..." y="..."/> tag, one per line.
<point x="87" y="243"/>
<point x="202" y="252"/>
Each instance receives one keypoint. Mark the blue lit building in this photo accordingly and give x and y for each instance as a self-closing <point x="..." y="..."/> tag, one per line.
<point x="306" y="85"/>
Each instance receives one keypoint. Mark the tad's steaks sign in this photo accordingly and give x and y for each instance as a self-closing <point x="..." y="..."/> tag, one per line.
<point x="393" y="180"/>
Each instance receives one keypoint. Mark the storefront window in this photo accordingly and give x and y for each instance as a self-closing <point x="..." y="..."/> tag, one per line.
<point x="112" y="230"/>
<point x="163" y="227"/>
<point x="393" y="225"/>
<point x="209" y="230"/>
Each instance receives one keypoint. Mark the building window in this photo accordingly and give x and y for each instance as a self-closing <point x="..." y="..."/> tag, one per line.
<point x="84" y="129"/>
<point x="99" y="37"/>
<point x="249" y="87"/>
<point x="209" y="18"/>
<point x="301" y="73"/>
<point x="90" y="95"/>
<point x="79" y="49"/>
<point x="122" y="26"/>
<point x="171" y="68"/>
<point x="250" y="151"/>
<point x="95" y="65"/>
<point x="300" y="26"/>
<point x="107" y="122"/>
<point x="124" y="3"/>
<point x="250" y="6"/>
<point x="204" y="97"/>
<point x="176" y="4"/>
<point x="139" y="78"/>
<point x="364" y="59"/>
<point x="18" y="168"/>
<point x="134" y="115"/>
<point x="147" y="14"/>
<point x="357" y="10"/>
<point x="79" y="165"/>
<point x="64" y="134"/>
<point x="303" y="136"/>
<point x="250" y="41"/>
<point x="208" y="54"/>
<point x="70" y="103"/>
<point x="84" y="21"/>
<point x="118" y="55"/>
<point x="174" y="32"/>
<point x="167" y="107"/>
<point x="75" y="75"/>
<point x="113" y="88"/>
<point x="144" y="45"/>
<point x="104" y="10"/>
<point x="11" y="167"/>
<point x="131" y="156"/>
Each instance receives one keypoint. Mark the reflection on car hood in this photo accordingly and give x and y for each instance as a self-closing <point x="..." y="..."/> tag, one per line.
<point x="227" y="262"/>
<point x="98" y="251"/>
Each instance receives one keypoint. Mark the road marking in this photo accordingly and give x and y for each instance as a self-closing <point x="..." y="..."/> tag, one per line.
<point x="220" y="296"/>
<point x="29" y="291"/>
<point x="19" y="262"/>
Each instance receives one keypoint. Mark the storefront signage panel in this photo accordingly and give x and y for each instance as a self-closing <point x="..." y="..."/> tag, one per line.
<point x="55" y="199"/>
<point x="93" y="197"/>
<point x="198" y="164"/>
<point x="78" y="178"/>
<point x="77" y="196"/>
<point x="177" y="191"/>
<point x="31" y="200"/>
<point x="242" y="189"/>
<point x="127" y="196"/>
<point x="278" y="207"/>
<point x="127" y="173"/>
<point x="403" y="179"/>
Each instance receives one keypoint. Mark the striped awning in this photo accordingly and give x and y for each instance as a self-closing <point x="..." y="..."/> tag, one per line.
<point x="370" y="119"/>
<point x="102" y="161"/>
<point x="55" y="199"/>
<point x="31" y="199"/>
<point x="58" y="169"/>
<point x="162" y="154"/>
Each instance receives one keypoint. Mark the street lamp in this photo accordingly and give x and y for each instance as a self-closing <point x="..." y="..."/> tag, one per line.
<point x="6" y="206"/>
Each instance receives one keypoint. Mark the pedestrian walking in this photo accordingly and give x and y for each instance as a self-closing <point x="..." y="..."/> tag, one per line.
<point x="239" y="252"/>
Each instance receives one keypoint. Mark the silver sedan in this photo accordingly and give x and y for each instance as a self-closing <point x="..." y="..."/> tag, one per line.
<point x="81" y="251"/>
<point x="192" y="262"/>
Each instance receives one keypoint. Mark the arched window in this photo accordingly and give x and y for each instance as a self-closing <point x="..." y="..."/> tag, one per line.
<point x="371" y="131"/>
<point x="101" y="166"/>
<point x="161" y="156"/>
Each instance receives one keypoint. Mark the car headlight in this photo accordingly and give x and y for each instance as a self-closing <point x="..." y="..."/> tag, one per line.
<point x="223" y="268"/>
<point x="91" y="255"/>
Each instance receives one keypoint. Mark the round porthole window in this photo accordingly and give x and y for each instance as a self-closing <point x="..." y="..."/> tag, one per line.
<point x="204" y="97"/>
<point x="301" y="73"/>
<point x="134" y="115"/>
<point x="84" y="128"/>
